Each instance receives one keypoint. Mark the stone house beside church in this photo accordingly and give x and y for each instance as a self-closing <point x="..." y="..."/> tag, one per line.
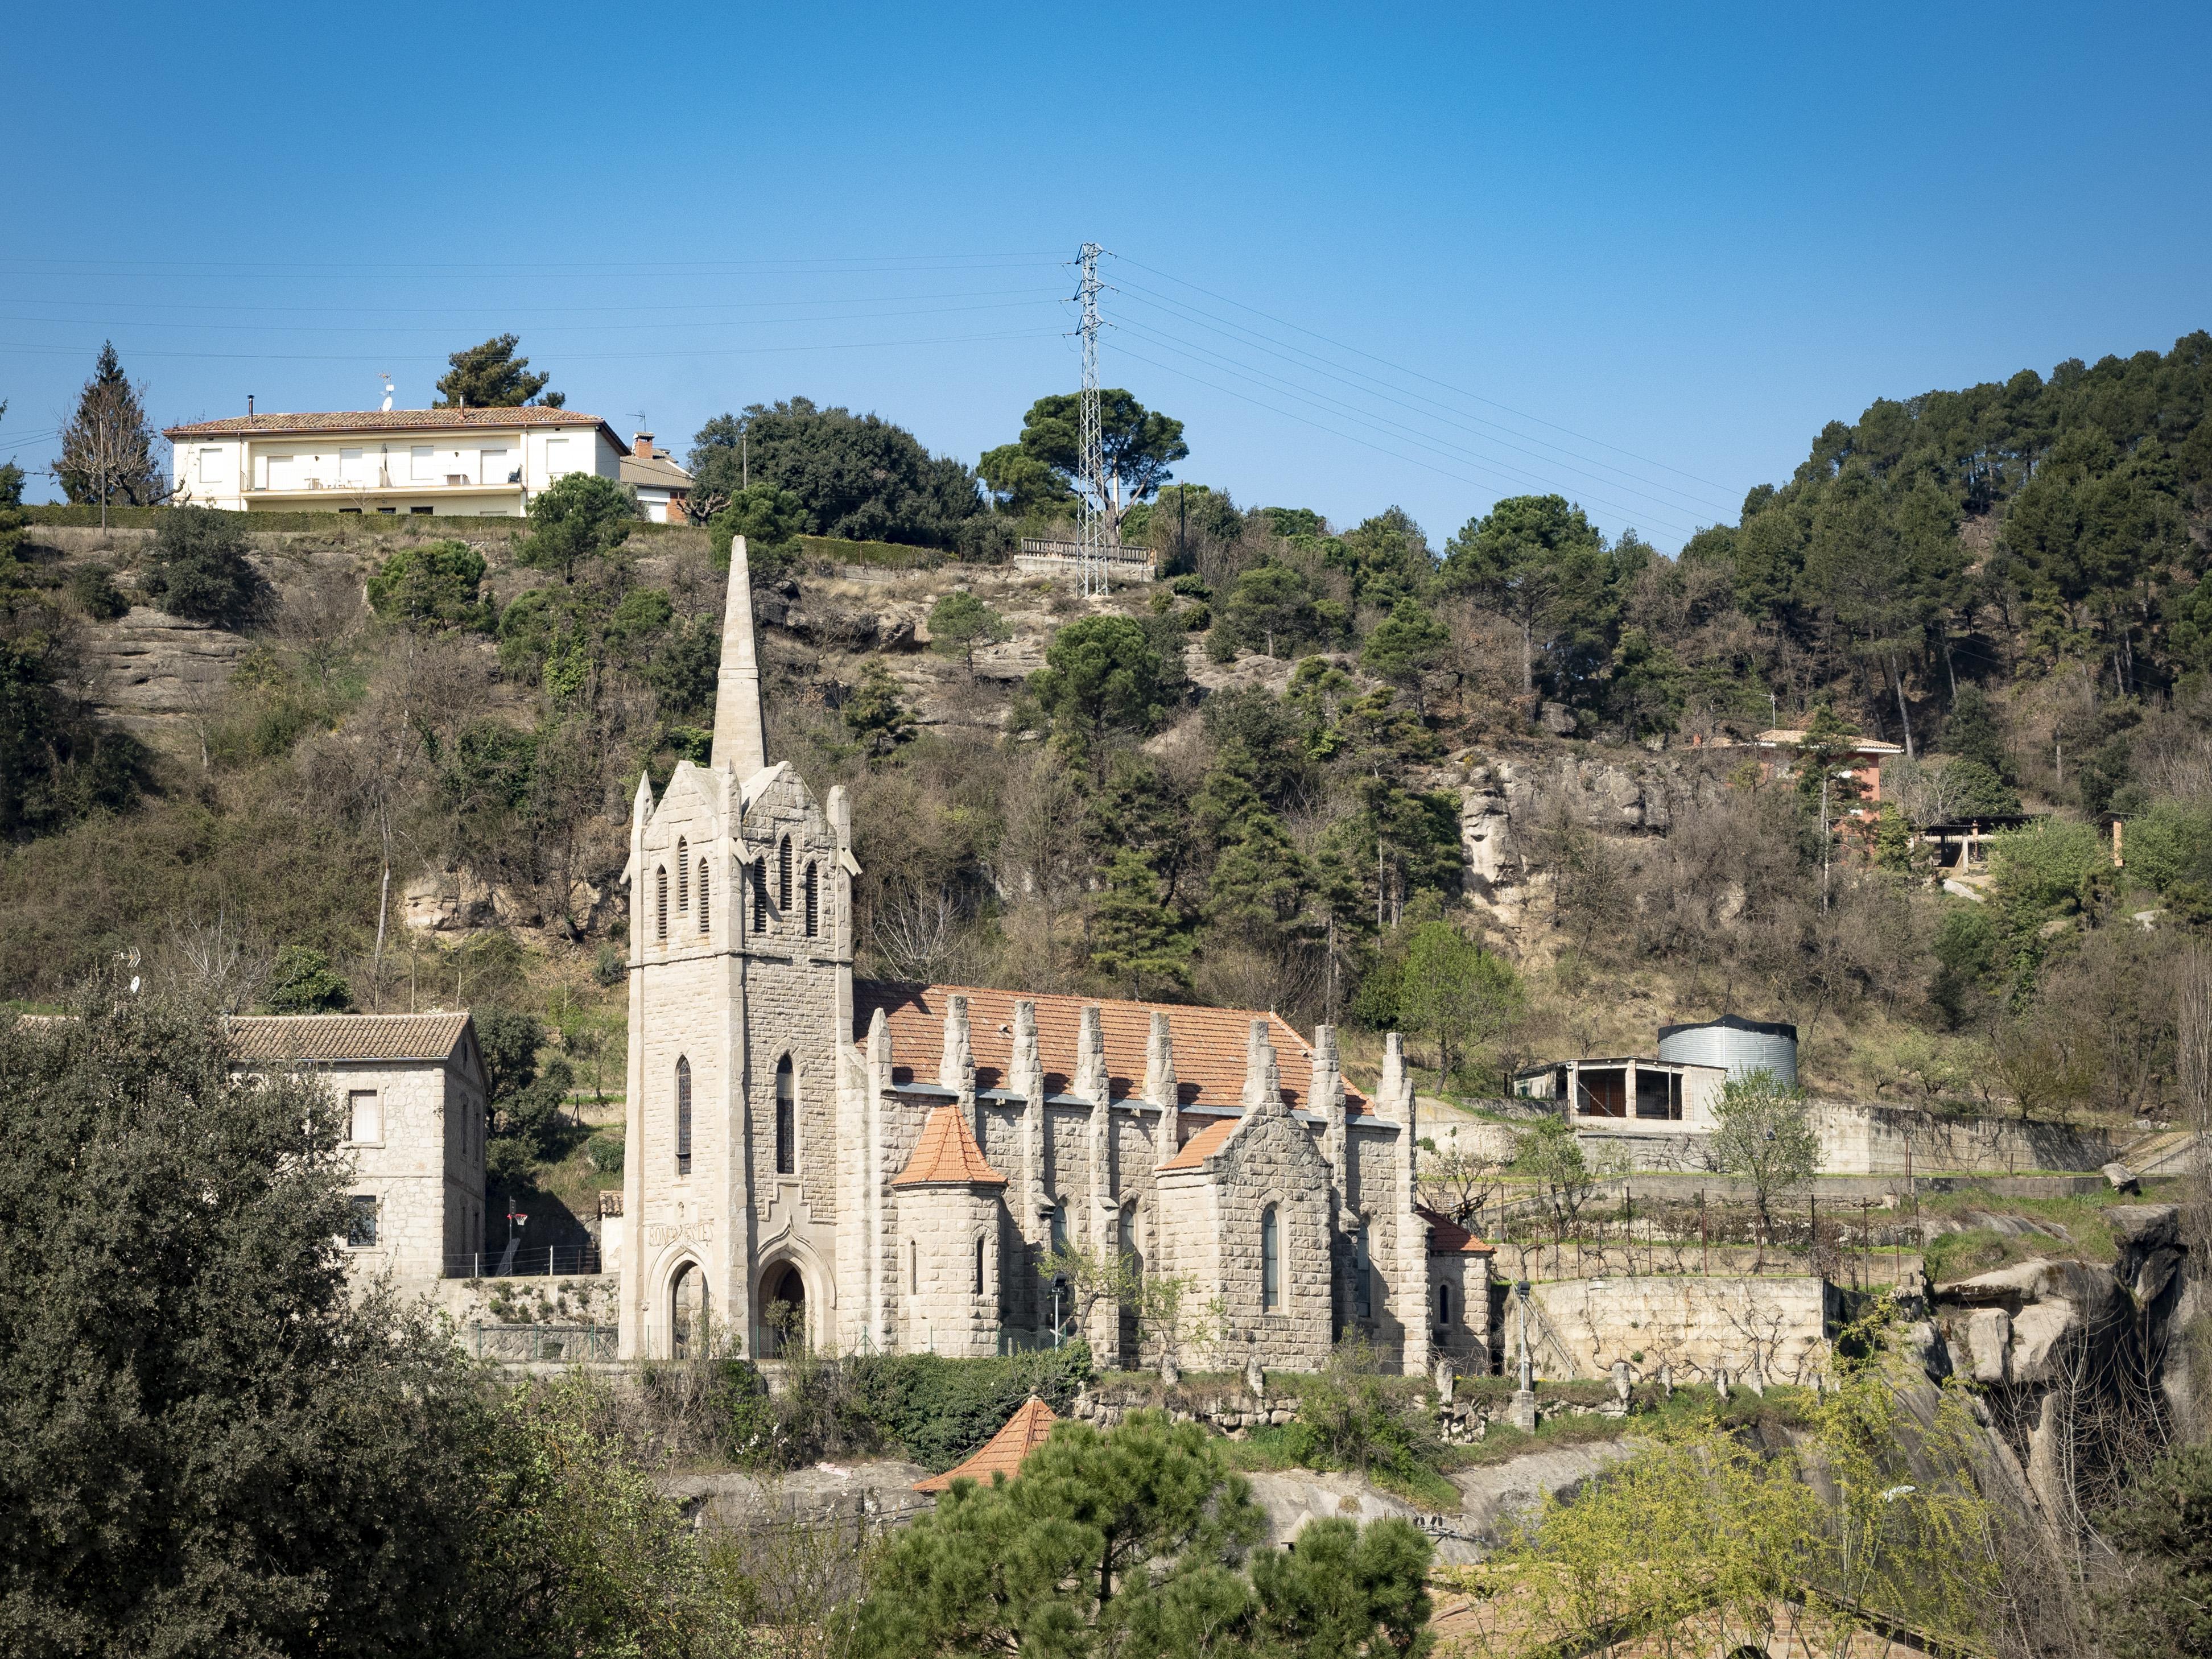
<point x="886" y="1166"/>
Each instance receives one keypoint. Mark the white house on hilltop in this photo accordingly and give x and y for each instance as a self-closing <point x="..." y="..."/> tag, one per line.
<point x="476" y="463"/>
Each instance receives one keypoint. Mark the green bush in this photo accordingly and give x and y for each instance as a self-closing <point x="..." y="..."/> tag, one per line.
<point x="199" y="569"/>
<point x="302" y="982"/>
<point x="605" y="1151"/>
<point x="93" y="587"/>
<point x="611" y="965"/>
<point x="435" y="586"/>
<point x="940" y="1410"/>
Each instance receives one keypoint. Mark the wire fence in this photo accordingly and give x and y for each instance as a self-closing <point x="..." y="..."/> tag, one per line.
<point x="528" y="1344"/>
<point x="511" y="1261"/>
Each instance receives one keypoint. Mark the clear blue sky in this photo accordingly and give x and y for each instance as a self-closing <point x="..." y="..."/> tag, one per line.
<point x="1686" y="239"/>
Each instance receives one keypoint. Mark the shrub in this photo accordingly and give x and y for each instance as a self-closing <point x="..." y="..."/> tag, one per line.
<point x="302" y="982"/>
<point x="93" y="587"/>
<point x="611" y="965"/>
<point x="199" y="569"/>
<point x="940" y="1410"/>
<point x="436" y="586"/>
<point x="605" y="1151"/>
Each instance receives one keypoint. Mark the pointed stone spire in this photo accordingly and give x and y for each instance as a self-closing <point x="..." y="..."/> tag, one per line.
<point x="957" y="1070"/>
<point x="641" y="803"/>
<point x="1093" y="1085"/>
<point x="1090" y="1080"/>
<point x="1025" y="1077"/>
<point x="1262" y="1082"/>
<point x="1395" y="1091"/>
<point x="879" y="1049"/>
<point x="1161" y="1088"/>
<point x="740" y="744"/>
<point x="1325" y="1095"/>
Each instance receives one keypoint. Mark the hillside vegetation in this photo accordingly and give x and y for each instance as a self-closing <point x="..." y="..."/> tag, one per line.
<point x="1247" y="783"/>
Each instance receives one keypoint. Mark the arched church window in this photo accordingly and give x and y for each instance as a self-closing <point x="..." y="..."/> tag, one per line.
<point x="682" y="875"/>
<point x="979" y="1264"/>
<point x="913" y="1269"/>
<point x="783" y="875"/>
<point x="813" y="902"/>
<point x="682" y="1116"/>
<point x="787" y="1119"/>
<point x="706" y="897"/>
<point x="760" y="899"/>
<point x="1271" y="1261"/>
<point x="1443" y="1304"/>
<point x="660" y="902"/>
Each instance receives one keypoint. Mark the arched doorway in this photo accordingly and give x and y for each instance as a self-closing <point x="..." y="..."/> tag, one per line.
<point x="687" y="1310"/>
<point x="783" y="1312"/>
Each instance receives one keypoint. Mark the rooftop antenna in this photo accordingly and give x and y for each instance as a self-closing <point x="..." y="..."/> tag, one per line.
<point x="387" y="379"/>
<point x="1091" y="535"/>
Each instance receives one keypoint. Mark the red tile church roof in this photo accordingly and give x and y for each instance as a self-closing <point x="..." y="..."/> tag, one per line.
<point x="1210" y="1043"/>
<point x="1447" y="1238"/>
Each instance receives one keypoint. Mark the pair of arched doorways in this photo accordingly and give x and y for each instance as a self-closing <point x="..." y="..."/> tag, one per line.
<point x="782" y="1316"/>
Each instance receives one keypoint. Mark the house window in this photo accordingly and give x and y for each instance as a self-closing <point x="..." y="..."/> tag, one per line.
<point x="1271" y="1261"/>
<point x="493" y="467"/>
<point x="682" y="1116"/>
<point x="557" y="458"/>
<point x="682" y="875"/>
<point x="783" y="876"/>
<point x="280" y="473"/>
<point x="979" y="1266"/>
<point x="365" y="1113"/>
<point x="422" y="464"/>
<point x="787" y="1119"/>
<point x="760" y="900"/>
<point x="813" y="902"/>
<point x="210" y="466"/>
<point x="360" y="1221"/>
<point x="422" y="511"/>
<point x="660" y="902"/>
<point x="1363" y="1294"/>
<point x="703" y="897"/>
<point x="353" y="466"/>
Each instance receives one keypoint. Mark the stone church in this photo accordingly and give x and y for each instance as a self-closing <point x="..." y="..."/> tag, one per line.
<point x="885" y="1166"/>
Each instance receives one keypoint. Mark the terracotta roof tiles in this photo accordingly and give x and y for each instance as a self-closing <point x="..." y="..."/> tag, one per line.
<point x="287" y="1039"/>
<point x="1203" y="1144"/>
<point x="1447" y="1238"/>
<point x="947" y="1152"/>
<point x="1210" y="1043"/>
<point x="385" y="420"/>
<point x="1003" y="1452"/>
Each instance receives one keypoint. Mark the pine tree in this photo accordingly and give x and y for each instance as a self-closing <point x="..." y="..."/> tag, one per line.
<point x="490" y="376"/>
<point x="874" y="714"/>
<point x="1135" y="938"/>
<point x="107" y="446"/>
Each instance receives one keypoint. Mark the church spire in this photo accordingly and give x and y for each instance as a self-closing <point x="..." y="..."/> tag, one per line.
<point x="739" y="743"/>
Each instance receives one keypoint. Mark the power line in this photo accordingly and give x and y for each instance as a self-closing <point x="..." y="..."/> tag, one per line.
<point x="474" y="306"/>
<point x="1416" y="375"/>
<point x="1411" y="435"/>
<point x="1348" y="437"/>
<point x="544" y="329"/>
<point x="1370" y="386"/>
<point x="572" y="356"/>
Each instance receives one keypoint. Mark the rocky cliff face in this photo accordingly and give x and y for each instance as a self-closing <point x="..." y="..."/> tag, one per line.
<point x="2078" y="1367"/>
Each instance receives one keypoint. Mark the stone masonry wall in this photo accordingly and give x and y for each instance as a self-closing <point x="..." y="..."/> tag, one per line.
<point x="417" y="1171"/>
<point x="940" y="1227"/>
<point x="1771" y="1330"/>
<point x="1271" y="1159"/>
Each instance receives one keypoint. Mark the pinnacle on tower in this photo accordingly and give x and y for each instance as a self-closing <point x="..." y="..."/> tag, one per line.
<point x="741" y="743"/>
<point x="1262" y="1082"/>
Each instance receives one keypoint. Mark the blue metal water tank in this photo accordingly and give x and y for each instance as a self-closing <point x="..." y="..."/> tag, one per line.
<point x="1741" y="1045"/>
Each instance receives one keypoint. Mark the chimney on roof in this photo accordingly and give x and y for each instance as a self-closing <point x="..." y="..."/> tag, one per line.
<point x="641" y="445"/>
<point x="249" y="402"/>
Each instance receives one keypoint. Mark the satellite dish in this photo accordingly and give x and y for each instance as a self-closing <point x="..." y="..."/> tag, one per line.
<point x="387" y="379"/>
